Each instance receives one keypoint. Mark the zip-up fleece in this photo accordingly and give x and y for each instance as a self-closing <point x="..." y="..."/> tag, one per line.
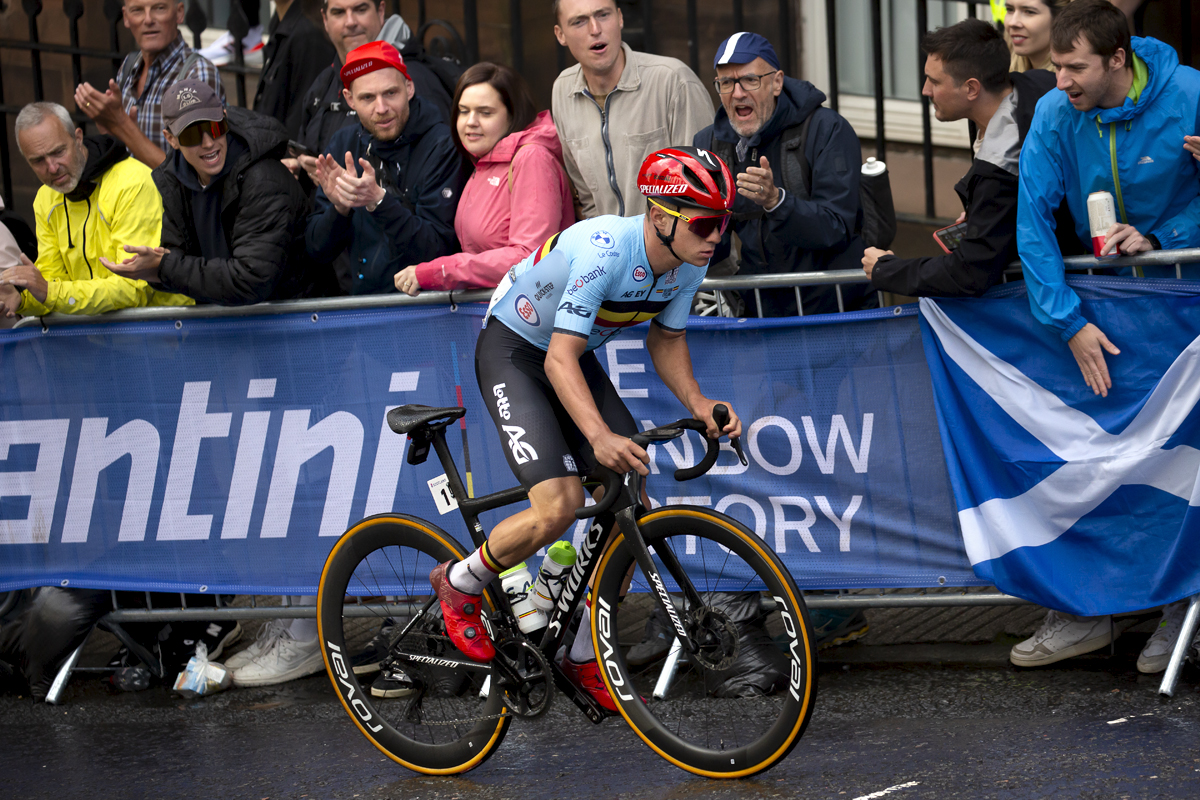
<point x="115" y="204"/>
<point x="658" y="102"/>
<point x="1134" y="151"/>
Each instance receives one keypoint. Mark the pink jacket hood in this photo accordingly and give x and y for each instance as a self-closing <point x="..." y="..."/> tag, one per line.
<point x="517" y="198"/>
<point x="541" y="131"/>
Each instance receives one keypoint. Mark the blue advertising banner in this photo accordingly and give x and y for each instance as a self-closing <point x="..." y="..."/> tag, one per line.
<point x="228" y="454"/>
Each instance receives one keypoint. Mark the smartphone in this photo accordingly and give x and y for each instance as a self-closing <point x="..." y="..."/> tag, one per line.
<point x="295" y="148"/>
<point x="950" y="237"/>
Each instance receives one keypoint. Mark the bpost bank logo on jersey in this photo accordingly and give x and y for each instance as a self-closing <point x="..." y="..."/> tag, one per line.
<point x="602" y="239"/>
<point x="639" y="274"/>
<point x="526" y="311"/>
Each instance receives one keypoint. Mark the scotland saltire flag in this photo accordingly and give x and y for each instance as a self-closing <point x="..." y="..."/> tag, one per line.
<point x="1077" y="502"/>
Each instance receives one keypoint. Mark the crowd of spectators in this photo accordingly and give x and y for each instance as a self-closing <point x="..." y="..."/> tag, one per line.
<point x="368" y="166"/>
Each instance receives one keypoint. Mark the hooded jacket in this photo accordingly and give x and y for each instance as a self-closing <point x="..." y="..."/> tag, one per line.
<point x="516" y="199"/>
<point x="262" y="214"/>
<point x="1134" y="151"/>
<point x="115" y="204"/>
<point x="325" y="109"/>
<point x="989" y="196"/>
<point x="802" y="234"/>
<point x="423" y="174"/>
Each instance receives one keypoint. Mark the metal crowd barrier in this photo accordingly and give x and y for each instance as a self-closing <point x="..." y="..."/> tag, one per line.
<point x="841" y="600"/>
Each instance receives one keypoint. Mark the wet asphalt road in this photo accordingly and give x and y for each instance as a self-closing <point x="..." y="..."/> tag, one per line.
<point x="965" y="726"/>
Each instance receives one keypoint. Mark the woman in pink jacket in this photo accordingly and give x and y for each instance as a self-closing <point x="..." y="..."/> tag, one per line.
<point x="518" y="196"/>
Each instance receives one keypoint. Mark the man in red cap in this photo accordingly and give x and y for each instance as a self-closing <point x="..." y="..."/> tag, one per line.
<point x="388" y="186"/>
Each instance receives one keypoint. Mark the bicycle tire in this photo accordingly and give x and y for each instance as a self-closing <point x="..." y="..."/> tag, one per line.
<point x="717" y="738"/>
<point x="445" y="727"/>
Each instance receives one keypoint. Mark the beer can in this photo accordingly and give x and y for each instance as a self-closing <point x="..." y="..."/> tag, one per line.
<point x="1102" y="215"/>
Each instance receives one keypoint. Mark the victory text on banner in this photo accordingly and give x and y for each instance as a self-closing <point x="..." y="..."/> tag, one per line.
<point x="227" y="454"/>
<point x="1078" y="502"/>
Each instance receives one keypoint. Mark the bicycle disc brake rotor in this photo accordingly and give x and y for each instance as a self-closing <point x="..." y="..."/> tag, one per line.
<point x="716" y="636"/>
<point x="522" y="675"/>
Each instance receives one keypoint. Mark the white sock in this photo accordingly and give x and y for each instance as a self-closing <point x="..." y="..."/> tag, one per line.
<point x="582" y="650"/>
<point x="474" y="572"/>
<point x="304" y="630"/>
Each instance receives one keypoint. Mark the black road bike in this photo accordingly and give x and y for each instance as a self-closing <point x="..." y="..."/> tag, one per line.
<point x="458" y="711"/>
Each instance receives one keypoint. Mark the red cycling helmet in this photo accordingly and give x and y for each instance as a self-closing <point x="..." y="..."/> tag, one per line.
<point x="687" y="176"/>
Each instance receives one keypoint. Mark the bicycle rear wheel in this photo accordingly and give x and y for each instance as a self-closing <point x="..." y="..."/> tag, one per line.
<point x="750" y="604"/>
<point x="379" y="571"/>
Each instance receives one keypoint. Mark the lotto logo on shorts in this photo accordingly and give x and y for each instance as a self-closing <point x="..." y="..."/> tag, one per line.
<point x="526" y="311"/>
<point x="523" y="452"/>
<point x="502" y="404"/>
<point x="639" y="274"/>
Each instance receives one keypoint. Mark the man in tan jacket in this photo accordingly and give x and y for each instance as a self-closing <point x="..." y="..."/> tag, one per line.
<point x="616" y="106"/>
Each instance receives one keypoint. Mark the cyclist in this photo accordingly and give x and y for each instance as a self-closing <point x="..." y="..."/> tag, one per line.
<point x="552" y="404"/>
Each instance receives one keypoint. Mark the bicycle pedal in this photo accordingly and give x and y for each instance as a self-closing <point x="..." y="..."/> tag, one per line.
<point x="591" y="709"/>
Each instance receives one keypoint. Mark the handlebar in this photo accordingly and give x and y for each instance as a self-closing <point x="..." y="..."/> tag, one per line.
<point x="612" y="480"/>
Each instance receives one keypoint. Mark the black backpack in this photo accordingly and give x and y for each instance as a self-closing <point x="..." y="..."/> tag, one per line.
<point x="874" y="191"/>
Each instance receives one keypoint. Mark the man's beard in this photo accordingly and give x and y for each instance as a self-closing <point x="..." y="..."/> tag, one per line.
<point x="76" y="172"/>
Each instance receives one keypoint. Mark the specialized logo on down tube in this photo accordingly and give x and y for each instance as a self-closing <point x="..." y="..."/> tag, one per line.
<point x="526" y="311"/>
<point x="639" y="274"/>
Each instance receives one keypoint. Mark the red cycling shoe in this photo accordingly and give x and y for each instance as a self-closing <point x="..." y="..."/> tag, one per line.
<point x="461" y="614"/>
<point x="587" y="677"/>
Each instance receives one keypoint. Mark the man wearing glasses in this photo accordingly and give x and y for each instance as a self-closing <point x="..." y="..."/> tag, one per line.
<point x="233" y="216"/>
<point x="797" y="168"/>
<point x="555" y="409"/>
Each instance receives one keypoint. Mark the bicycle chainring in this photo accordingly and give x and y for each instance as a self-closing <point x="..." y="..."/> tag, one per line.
<point x="522" y="675"/>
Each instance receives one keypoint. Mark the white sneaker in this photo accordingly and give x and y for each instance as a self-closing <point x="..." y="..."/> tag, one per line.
<point x="220" y="52"/>
<point x="284" y="659"/>
<point x="1062" y="636"/>
<point x="262" y="641"/>
<point x="1157" y="652"/>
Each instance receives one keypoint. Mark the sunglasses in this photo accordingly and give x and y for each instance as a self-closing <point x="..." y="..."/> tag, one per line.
<point x="193" y="134"/>
<point x="701" y="226"/>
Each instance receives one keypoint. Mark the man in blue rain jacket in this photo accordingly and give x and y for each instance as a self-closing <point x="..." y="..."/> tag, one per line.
<point x="1117" y="125"/>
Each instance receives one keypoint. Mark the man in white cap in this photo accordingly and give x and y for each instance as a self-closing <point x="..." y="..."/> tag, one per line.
<point x="797" y="168"/>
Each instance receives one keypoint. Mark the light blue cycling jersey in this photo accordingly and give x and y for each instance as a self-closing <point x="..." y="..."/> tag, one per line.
<point x="593" y="280"/>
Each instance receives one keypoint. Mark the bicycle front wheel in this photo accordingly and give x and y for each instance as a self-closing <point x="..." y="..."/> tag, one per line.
<point x="739" y="705"/>
<point x="375" y="587"/>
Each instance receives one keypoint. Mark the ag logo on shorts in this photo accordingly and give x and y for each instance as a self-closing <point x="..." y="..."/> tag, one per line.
<point x="639" y="274"/>
<point x="526" y="311"/>
<point x="602" y="239"/>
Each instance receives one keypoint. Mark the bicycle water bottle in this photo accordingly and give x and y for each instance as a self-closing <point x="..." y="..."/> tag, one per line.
<point x="559" y="558"/>
<point x="518" y="585"/>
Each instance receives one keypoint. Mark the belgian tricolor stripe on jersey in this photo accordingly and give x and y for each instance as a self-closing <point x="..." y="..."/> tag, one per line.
<point x="545" y="249"/>
<point x="616" y="314"/>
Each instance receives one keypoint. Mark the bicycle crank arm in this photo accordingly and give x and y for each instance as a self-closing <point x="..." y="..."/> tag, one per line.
<point x="641" y="553"/>
<point x="593" y="710"/>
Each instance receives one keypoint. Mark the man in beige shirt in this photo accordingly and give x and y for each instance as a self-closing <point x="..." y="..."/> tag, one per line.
<point x="616" y="106"/>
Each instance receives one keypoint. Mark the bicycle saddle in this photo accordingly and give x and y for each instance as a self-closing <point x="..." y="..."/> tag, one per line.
<point x="406" y="419"/>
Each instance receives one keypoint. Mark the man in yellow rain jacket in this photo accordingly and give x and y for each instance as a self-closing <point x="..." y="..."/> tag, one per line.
<point x="94" y="200"/>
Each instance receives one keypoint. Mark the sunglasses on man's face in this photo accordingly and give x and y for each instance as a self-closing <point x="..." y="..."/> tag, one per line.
<point x="193" y="134"/>
<point x="701" y="226"/>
